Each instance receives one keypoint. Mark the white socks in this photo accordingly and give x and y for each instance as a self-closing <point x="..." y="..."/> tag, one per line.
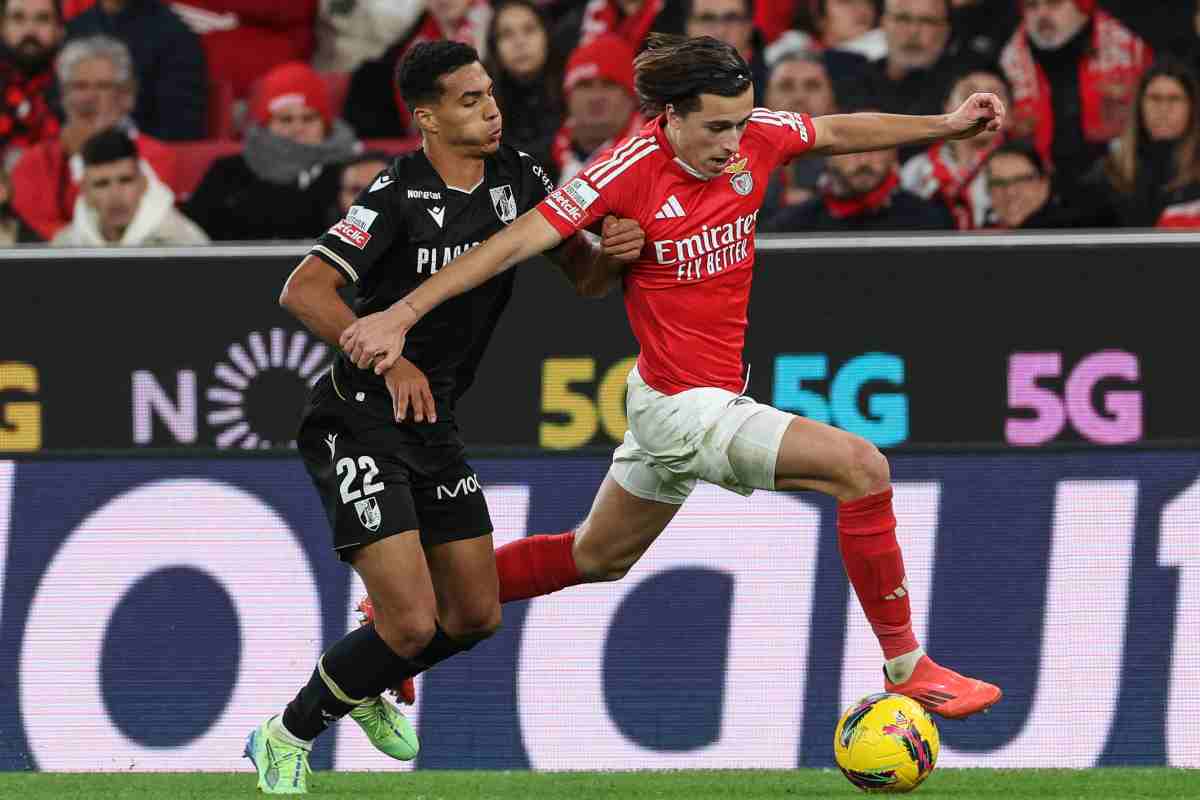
<point x="275" y="727"/>
<point x="900" y="668"/>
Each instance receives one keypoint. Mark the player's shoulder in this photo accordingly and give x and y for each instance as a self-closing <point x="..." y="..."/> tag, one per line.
<point x="518" y="164"/>
<point x="629" y="160"/>
<point x="766" y="124"/>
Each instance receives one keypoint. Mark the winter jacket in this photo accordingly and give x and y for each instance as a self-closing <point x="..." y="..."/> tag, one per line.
<point x="172" y="97"/>
<point x="232" y="203"/>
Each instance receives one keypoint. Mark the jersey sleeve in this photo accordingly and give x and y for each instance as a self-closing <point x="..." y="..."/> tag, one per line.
<point x="357" y="241"/>
<point x="609" y="185"/>
<point x="790" y="134"/>
<point x="535" y="183"/>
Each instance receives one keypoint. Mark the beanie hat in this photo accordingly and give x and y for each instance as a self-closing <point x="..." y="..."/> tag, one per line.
<point x="607" y="57"/>
<point x="289" y="83"/>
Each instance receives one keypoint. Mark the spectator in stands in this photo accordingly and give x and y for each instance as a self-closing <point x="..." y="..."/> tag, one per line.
<point x="861" y="192"/>
<point x="601" y="104"/>
<point x="368" y="109"/>
<point x="731" y="21"/>
<point x="123" y="204"/>
<point x="1023" y="195"/>
<point x="350" y="33"/>
<point x="798" y="82"/>
<point x="912" y="78"/>
<point x="355" y="176"/>
<point x="951" y="172"/>
<point x="850" y="25"/>
<point x="172" y="99"/>
<point x="243" y="39"/>
<point x="283" y="183"/>
<point x="99" y="92"/>
<point x="13" y="229"/>
<point x="528" y="80"/>
<point x="1074" y="72"/>
<point x="629" y="19"/>
<point x="980" y="28"/>
<point x="1156" y="161"/>
<point x="31" y="33"/>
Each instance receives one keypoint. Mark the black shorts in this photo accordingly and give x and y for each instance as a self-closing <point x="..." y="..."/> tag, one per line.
<point x="377" y="478"/>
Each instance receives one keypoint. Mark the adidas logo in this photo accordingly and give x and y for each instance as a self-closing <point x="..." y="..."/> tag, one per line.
<point x="670" y="209"/>
<point x="898" y="592"/>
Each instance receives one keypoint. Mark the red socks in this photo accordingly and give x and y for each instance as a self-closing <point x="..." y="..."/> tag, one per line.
<point x="536" y="565"/>
<point x="871" y="556"/>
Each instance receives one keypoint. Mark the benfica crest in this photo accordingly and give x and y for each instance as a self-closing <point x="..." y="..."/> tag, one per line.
<point x="368" y="513"/>
<point x="505" y="203"/>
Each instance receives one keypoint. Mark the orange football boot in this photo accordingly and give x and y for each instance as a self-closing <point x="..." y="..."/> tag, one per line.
<point x="944" y="692"/>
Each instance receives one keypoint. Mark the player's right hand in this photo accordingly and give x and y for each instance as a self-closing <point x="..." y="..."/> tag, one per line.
<point x="622" y="239"/>
<point x="408" y="386"/>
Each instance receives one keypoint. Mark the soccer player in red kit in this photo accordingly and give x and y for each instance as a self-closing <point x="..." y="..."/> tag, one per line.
<point x="694" y="180"/>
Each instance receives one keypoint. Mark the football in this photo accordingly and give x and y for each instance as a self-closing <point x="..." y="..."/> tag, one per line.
<point x="886" y="743"/>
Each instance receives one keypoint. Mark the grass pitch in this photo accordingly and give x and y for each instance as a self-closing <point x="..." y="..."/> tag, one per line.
<point x="959" y="784"/>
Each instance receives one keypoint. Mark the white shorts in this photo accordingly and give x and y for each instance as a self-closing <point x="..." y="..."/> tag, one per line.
<point x="704" y="434"/>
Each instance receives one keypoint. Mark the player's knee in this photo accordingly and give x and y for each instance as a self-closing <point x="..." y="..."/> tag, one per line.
<point x="866" y="470"/>
<point x="473" y="625"/>
<point x="406" y="634"/>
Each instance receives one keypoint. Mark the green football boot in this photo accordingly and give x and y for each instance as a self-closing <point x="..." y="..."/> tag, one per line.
<point x="387" y="729"/>
<point x="282" y="766"/>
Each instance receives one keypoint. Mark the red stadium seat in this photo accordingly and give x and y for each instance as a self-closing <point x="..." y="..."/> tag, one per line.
<point x="220" y="110"/>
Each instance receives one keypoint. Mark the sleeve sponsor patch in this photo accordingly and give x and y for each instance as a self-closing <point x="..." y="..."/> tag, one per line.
<point x="351" y="234"/>
<point x="580" y="193"/>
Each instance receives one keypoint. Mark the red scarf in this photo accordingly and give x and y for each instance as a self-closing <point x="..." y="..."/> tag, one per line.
<point x="25" y="116"/>
<point x="471" y="29"/>
<point x="1183" y="216"/>
<point x="1108" y="78"/>
<point x="869" y="203"/>
<point x="567" y="160"/>
<point x="604" y="16"/>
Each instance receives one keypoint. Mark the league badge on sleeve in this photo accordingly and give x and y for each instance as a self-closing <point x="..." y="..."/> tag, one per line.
<point x="505" y="203"/>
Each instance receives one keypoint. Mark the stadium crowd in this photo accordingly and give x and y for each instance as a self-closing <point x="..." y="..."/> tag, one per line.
<point x="148" y="122"/>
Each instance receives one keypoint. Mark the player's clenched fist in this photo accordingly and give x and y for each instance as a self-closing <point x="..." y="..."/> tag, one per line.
<point x="621" y="239"/>
<point x="980" y="112"/>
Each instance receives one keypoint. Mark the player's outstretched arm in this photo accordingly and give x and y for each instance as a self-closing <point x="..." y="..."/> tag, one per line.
<point x="379" y="338"/>
<point x="594" y="265"/>
<point x="857" y="133"/>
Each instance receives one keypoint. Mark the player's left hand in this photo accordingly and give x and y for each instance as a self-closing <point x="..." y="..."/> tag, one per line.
<point x="980" y="112"/>
<point x="621" y="239"/>
<point x="377" y="339"/>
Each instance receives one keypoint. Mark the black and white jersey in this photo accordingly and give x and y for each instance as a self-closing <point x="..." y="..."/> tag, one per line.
<point x="403" y="228"/>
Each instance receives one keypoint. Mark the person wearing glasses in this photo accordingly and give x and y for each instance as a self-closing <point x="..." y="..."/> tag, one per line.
<point x="1023" y="195"/>
<point x="908" y="79"/>
<point x="732" y="22"/>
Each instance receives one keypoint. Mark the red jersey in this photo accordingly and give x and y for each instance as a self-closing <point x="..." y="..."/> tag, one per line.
<point x="687" y="293"/>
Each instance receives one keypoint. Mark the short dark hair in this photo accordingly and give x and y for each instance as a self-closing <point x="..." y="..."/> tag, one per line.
<point x="963" y="72"/>
<point x="419" y="73"/>
<point x="1025" y="149"/>
<point x="108" y="146"/>
<point x="57" y="4"/>
<point x="674" y="70"/>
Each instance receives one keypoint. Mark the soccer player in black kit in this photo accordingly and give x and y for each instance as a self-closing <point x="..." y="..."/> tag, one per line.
<point x="384" y="451"/>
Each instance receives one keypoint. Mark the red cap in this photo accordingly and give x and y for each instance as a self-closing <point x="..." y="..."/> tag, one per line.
<point x="288" y="83"/>
<point x="608" y="57"/>
<point x="1086" y="6"/>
